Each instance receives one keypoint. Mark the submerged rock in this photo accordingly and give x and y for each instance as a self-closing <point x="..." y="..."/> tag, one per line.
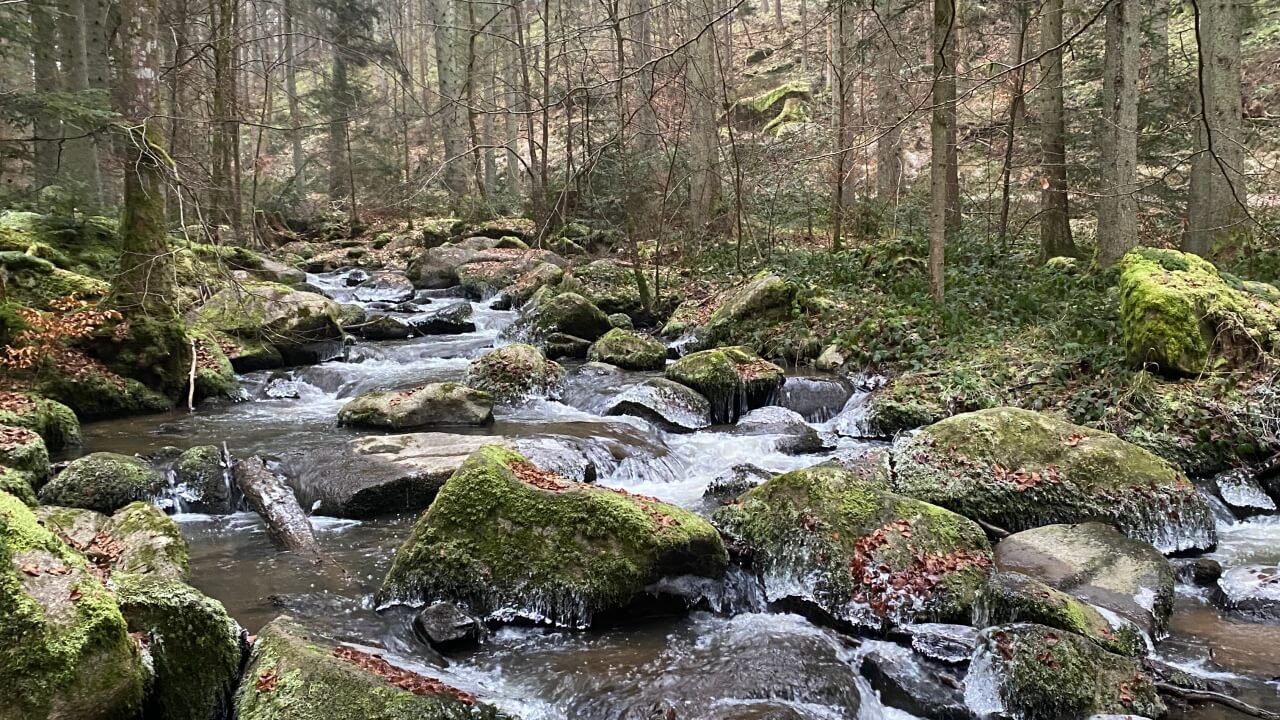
<point x="432" y="404"/>
<point x="293" y="673"/>
<point x="511" y="541"/>
<point x="740" y="478"/>
<point x="734" y="379"/>
<point x="667" y="404"/>
<point x="1035" y="672"/>
<point x="1010" y="597"/>
<point x="385" y="287"/>
<point x="1096" y="564"/>
<point x="945" y="642"/>
<point x="444" y="626"/>
<point x="102" y="481"/>
<point x="798" y="436"/>
<point x="862" y="555"/>
<point x="202" y="480"/>
<point x="514" y="373"/>
<point x="1242" y="493"/>
<point x="1252" y="591"/>
<point x="629" y="350"/>
<point x="1019" y="469"/>
<point x="915" y="685"/>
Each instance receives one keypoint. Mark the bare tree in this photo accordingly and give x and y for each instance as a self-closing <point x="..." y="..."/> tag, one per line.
<point x="941" y="132"/>
<point x="1118" y="130"/>
<point x="1055" y="228"/>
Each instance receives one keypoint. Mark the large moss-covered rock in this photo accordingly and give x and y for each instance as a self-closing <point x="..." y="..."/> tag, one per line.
<point x="609" y="284"/>
<point x="202" y="482"/>
<point x="94" y="393"/>
<point x="143" y="539"/>
<point x="764" y="300"/>
<point x="1181" y="315"/>
<point x="1095" y="563"/>
<point x="757" y="111"/>
<point x="87" y="245"/>
<point x="65" y="649"/>
<point x="839" y="541"/>
<point x="668" y="404"/>
<point x="55" y="422"/>
<point x="513" y="373"/>
<point x="215" y="376"/>
<point x="513" y="541"/>
<point x="431" y="404"/>
<point x="1019" y="469"/>
<point x="24" y="451"/>
<point x="566" y="313"/>
<point x="734" y="379"/>
<point x="102" y="481"/>
<point x="1010" y="597"/>
<point x="628" y="350"/>
<point x="300" y="326"/>
<point x="294" y="674"/>
<point x="1036" y="672"/>
<point x="18" y="484"/>
<point x="34" y="282"/>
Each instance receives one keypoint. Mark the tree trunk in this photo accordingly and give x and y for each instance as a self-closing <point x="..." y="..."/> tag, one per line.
<point x="1216" y="209"/>
<point x="269" y="496"/>
<point x="451" y="61"/>
<point x="1015" y="110"/>
<point x="704" y="130"/>
<point x="888" y="82"/>
<point x="941" y="131"/>
<point x="1055" y="228"/>
<point x="844" y="39"/>
<point x="79" y="150"/>
<point x="1158" y="42"/>
<point x="97" y="33"/>
<point x="341" y="103"/>
<point x="45" y="150"/>
<point x="1118" y="208"/>
<point x="223" y="179"/>
<point x="291" y="90"/>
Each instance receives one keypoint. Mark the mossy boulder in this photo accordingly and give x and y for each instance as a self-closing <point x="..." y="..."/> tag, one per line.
<point x="519" y="228"/>
<point x="523" y="287"/>
<point x="795" y="436"/>
<point x="34" y="282"/>
<point x="514" y="372"/>
<point x="609" y="284"/>
<point x="1010" y="597"/>
<point x="19" y="485"/>
<point x="628" y="350"/>
<point x="144" y="539"/>
<point x="201" y="479"/>
<point x="302" y="327"/>
<point x="512" y="541"/>
<point x="88" y="245"/>
<point x="566" y="313"/>
<point x="432" y="404"/>
<point x="734" y="379"/>
<point x="24" y="451"/>
<point x="758" y="111"/>
<point x="65" y="649"/>
<point x="561" y="345"/>
<point x="1036" y="672"/>
<point x="215" y="376"/>
<point x="841" y="542"/>
<point x="1181" y="315"/>
<point x="102" y="481"/>
<point x="736" y="313"/>
<point x="1095" y="563"/>
<point x="56" y="423"/>
<point x="94" y="393"/>
<point x="1019" y="469"/>
<point x="294" y="674"/>
<point x="622" y="321"/>
<point x="669" y="405"/>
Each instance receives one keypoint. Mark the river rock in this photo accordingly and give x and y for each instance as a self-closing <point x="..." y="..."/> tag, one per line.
<point x="66" y="650"/>
<point x="444" y="626"/>
<point x="202" y="481"/>
<point x="142" y="538"/>
<point x="621" y="321"/>
<point x="511" y="541"/>
<point x="729" y="486"/>
<point x="432" y="404"/>
<point x="734" y="379"/>
<point x="1252" y="591"/>
<point x="562" y="456"/>
<point x="609" y="284"/>
<point x="915" y="685"/>
<point x="529" y="282"/>
<point x="798" y="436"/>
<point x="1242" y="493"/>
<point x="385" y="287"/>
<point x="669" y="405"/>
<point x="560" y="345"/>
<point x="272" y="325"/>
<point x="1095" y="563"/>
<point x="293" y="673"/>
<point x="350" y="315"/>
<point x="840" y="543"/>
<point x="54" y="422"/>
<point x="1201" y="571"/>
<point x="945" y="642"/>
<point x="356" y="277"/>
<point x="437" y="267"/>
<point x="1040" y="673"/>
<point x="24" y="450"/>
<point x="102" y="481"/>
<point x="385" y="327"/>
<point x="453" y="319"/>
<point x="513" y="373"/>
<point x="1010" y="597"/>
<point x="567" y="313"/>
<point x="628" y="350"/>
<point x="1019" y="469"/>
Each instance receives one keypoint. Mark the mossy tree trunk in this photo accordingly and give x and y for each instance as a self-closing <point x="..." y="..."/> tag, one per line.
<point x="942" y="131"/>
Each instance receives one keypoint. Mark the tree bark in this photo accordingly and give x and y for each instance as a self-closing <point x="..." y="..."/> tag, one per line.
<point x="1118" y="208"/>
<point x="47" y="129"/>
<point x="941" y="132"/>
<point x="223" y="200"/>
<point x="704" y="130"/>
<point x="287" y="525"/>
<point x="1055" y="228"/>
<point x="1216" y="207"/>
<point x="844" y="40"/>
<point x="888" y="82"/>
<point x="79" y="149"/>
<point x="291" y="90"/>
<point x="1020" y="10"/>
<point x="451" y="61"/>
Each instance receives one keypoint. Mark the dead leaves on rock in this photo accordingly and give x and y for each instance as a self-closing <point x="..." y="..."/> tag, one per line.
<point x="397" y="677"/>
<point x="531" y="474"/>
<point x="1023" y="479"/>
<point x="267" y="681"/>
<point x="884" y="589"/>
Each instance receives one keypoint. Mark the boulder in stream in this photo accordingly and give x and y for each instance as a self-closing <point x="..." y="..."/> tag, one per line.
<point x="609" y="284"/>
<point x="102" y="481"/>
<point x="443" y="403"/>
<point x="843" y="544"/>
<point x="203" y="481"/>
<point x="385" y="327"/>
<point x="628" y="350"/>
<point x="797" y="436"/>
<point x="272" y="325"/>
<point x="1018" y="469"/>
<point x="764" y="300"/>
<point x="734" y="379"/>
<point x="1251" y="591"/>
<point x="1010" y="597"/>
<point x="566" y="313"/>
<point x="1242" y="493"/>
<point x="669" y="405"/>
<point x="511" y="541"/>
<point x="450" y="320"/>
<point x="139" y="538"/>
<point x="385" y="287"/>
<point x="513" y="373"/>
<point x="916" y="685"/>
<point x="1036" y="672"/>
<point x="444" y="626"/>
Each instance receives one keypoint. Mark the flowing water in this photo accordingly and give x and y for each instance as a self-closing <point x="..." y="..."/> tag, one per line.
<point x="743" y="662"/>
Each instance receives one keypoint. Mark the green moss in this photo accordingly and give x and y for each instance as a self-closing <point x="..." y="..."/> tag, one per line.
<point x="34" y="282"/>
<point x="18" y="484"/>
<point x="513" y="372"/>
<point x="496" y="542"/>
<point x="766" y="103"/>
<point x="1012" y="597"/>
<point x="568" y="314"/>
<point x="55" y="422"/>
<point x="94" y="394"/>
<point x="609" y="284"/>
<point x="863" y="555"/>
<point x="103" y="482"/>
<point x="734" y="379"/>
<point x="794" y="110"/>
<point x="629" y="350"/>
<point x="215" y="377"/>
<point x="23" y="450"/>
<point x="151" y="542"/>
<point x="85" y="245"/>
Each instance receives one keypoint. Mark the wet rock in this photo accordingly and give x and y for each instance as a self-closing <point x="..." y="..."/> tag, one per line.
<point x="817" y="398"/>
<point x="452" y="320"/>
<point x="202" y="481"/>
<point x="272" y="325"/>
<point x="946" y="643"/>
<point x="432" y="404"/>
<point x="864" y="556"/>
<point x="1040" y="673"/>
<point x="54" y="422"/>
<point x="559" y="456"/>
<point x="1095" y="563"/>
<point x="514" y="373"/>
<point x="669" y="405"/>
<point x="629" y="350"/>
<point x="832" y="358"/>
<point x="1201" y="571"/>
<point x="102" y="481"/>
<point x="1010" y="597"/>
<point x="444" y="626"/>
<point x="733" y="379"/>
<point x="915" y="685"/>
<point x="292" y="671"/>
<point x="356" y="277"/>
<point x="530" y="281"/>
<point x="437" y="267"/>
<point x="798" y="437"/>
<point x="1252" y="591"/>
<point x="350" y="314"/>
<point x="145" y="540"/>
<point x="385" y="287"/>
<point x="1242" y="493"/>
<point x="385" y="327"/>
<point x="23" y="452"/>
<point x="560" y="345"/>
<point x="728" y="486"/>
<point x="282" y="389"/>
<point x="566" y="313"/>
<point x="66" y="647"/>
<point x="551" y="550"/>
<point x="516" y="227"/>
<point x="1018" y="469"/>
<point x="622" y="321"/>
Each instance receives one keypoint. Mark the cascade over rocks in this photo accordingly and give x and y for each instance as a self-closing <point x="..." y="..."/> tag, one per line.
<point x="385" y="287"/>
<point x="733" y="379"/>
<point x="431" y="404"/>
<point x="844" y="544"/>
<point x="628" y="350"/>
<point x="1018" y="469"/>
<point x="102" y="481"/>
<point x="669" y="405"/>
<point x="511" y="541"/>
<point x="798" y="436"/>
<point x="514" y="373"/>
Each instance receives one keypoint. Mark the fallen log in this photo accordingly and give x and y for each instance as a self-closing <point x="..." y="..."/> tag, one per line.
<point x="287" y="524"/>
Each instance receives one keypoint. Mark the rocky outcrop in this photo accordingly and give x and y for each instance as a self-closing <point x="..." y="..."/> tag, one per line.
<point x="628" y="350"/>
<point x="845" y="545"/>
<point x="431" y="404"/>
<point x="104" y="482"/>
<point x="733" y="379"/>
<point x="1019" y="469"/>
<point x="509" y="540"/>
<point x="669" y="405"/>
<point x="513" y="373"/>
